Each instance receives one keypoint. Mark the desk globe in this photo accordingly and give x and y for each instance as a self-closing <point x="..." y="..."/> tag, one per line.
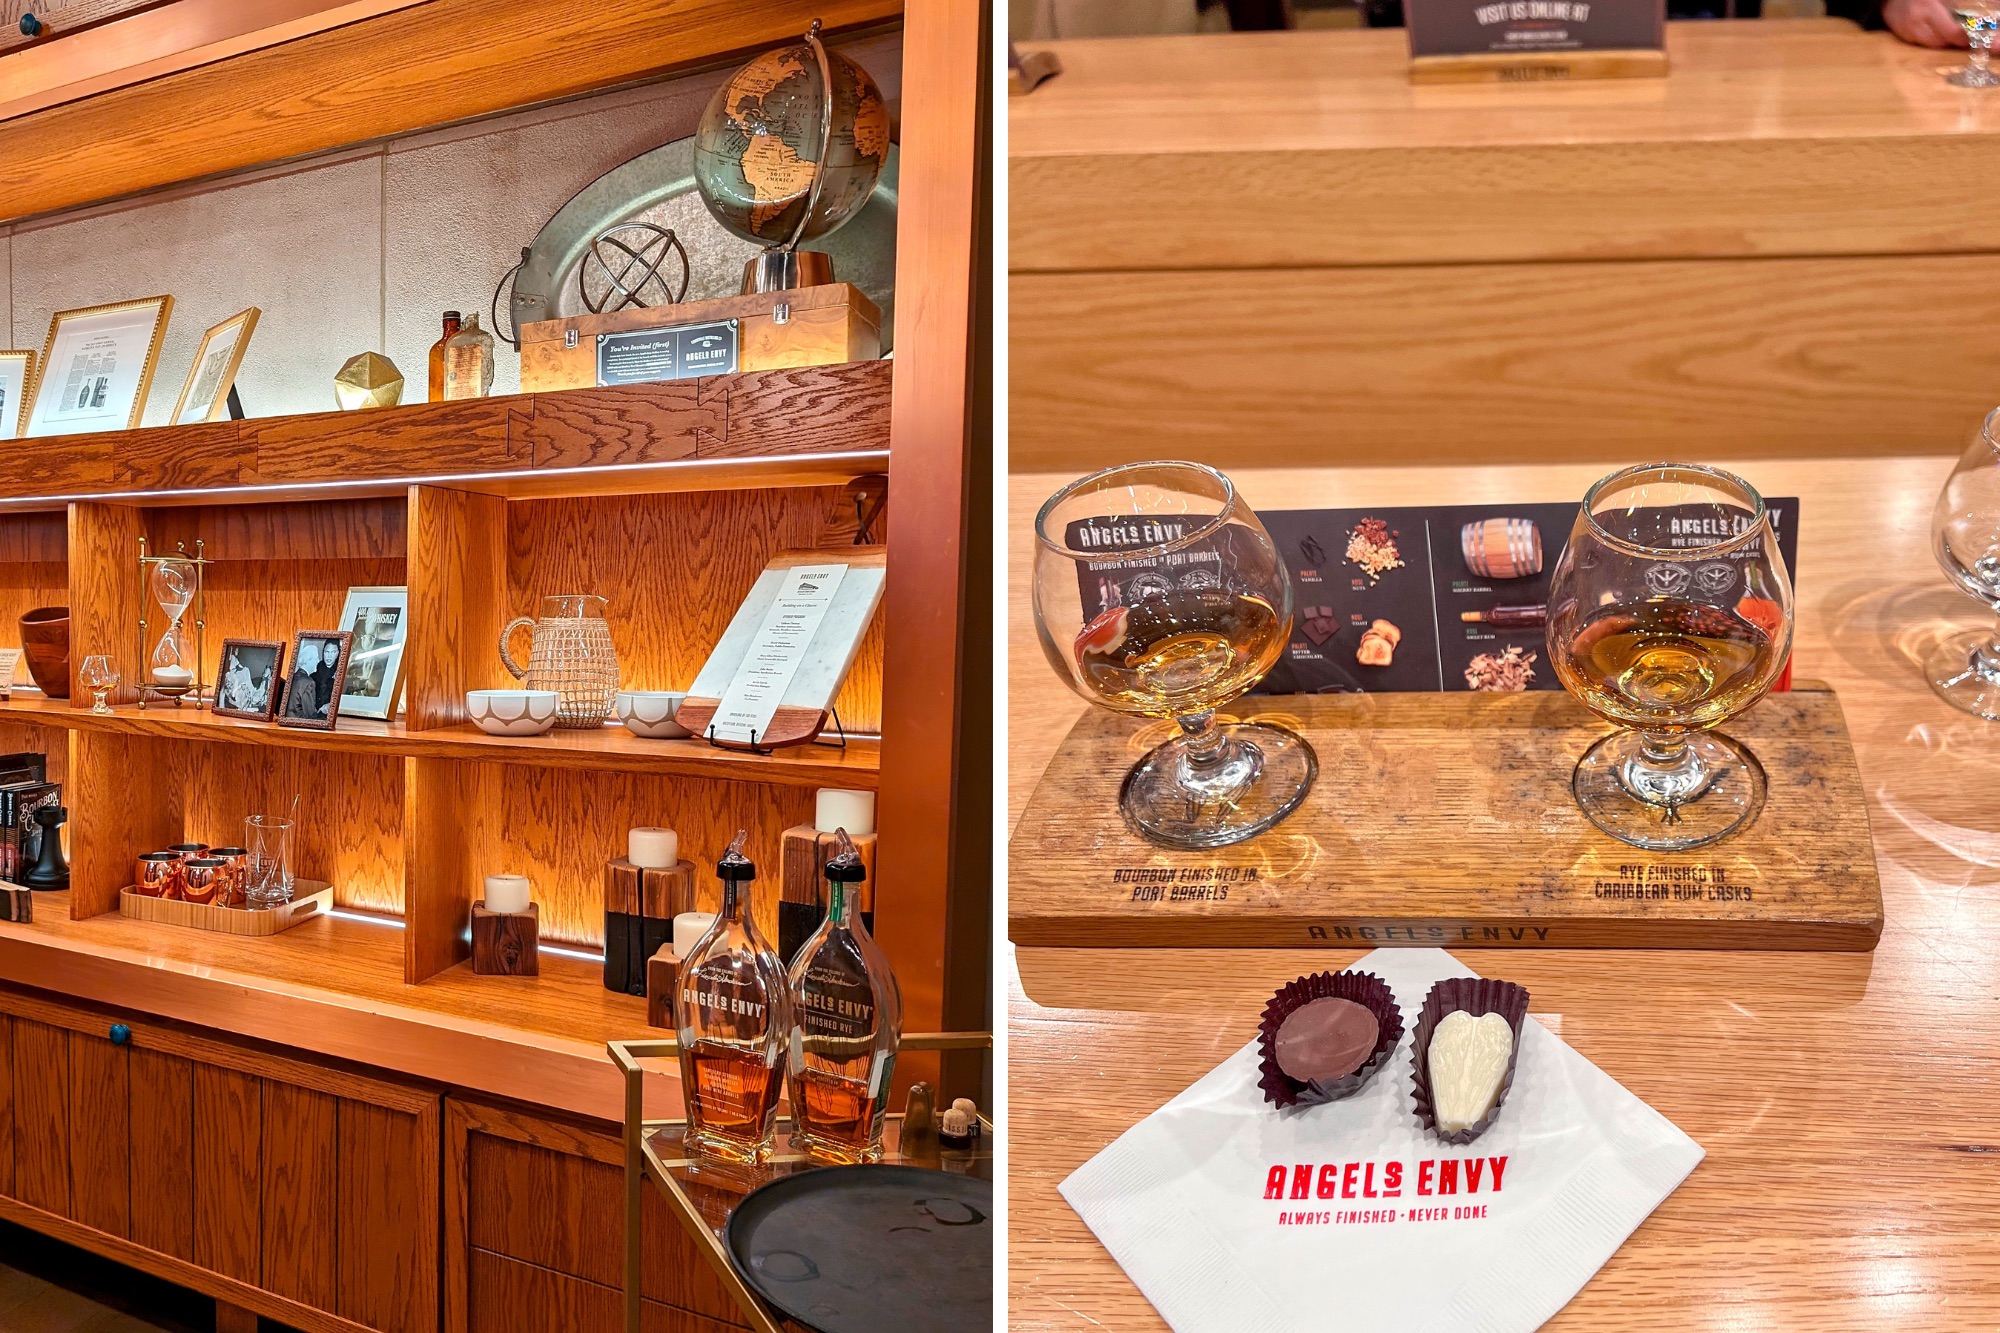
<point x="780" y="163"/>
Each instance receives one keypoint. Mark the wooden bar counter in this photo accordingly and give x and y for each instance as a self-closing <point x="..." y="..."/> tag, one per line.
<point x="1846" y="1102"/>
<point x="1274" y="247"/>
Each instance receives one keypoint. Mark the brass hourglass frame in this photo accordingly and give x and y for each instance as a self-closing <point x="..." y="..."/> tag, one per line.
<point x="148" y="562"/>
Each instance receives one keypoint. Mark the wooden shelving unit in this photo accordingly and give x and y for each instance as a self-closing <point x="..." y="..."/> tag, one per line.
<point x="667" y="499"/>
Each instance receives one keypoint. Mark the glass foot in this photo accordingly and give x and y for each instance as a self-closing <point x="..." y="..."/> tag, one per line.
<point x="1965" y="669"/>
<point x="1973" y="77"/>
<point x="1261" y="775"/>
<point x="1716" y="789"/>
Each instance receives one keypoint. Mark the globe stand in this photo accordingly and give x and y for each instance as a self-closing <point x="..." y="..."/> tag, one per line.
<point x="781" y="270"/>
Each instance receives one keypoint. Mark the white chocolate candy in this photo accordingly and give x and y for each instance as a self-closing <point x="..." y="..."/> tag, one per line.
<point x="1468" y="1063"/>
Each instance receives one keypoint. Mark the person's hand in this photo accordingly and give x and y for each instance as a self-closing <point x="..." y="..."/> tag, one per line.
<point x="1923" y="23"/>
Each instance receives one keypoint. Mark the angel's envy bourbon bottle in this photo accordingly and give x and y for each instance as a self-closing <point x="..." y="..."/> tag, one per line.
<point x="734" y="1013"/>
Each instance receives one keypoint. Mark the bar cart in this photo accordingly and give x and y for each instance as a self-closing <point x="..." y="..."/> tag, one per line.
<point x="703" y="1196"/>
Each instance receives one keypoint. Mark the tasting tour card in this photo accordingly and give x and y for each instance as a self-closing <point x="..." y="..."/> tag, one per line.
<point x="1442" y="597"/>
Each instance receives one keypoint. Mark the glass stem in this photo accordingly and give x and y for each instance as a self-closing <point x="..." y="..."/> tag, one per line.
<point x="1986" y="657"/>
<point x="1663" y="749"/>
<point x="1206" y="743"/>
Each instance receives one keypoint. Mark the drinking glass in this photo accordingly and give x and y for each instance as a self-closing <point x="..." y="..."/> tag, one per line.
<point x="1669" y="613"/>
<point x="1158" y="592"/>
<point x="1980" y="19"/>
<point x="268" y="867"/>
<point x="1965" y="533"/>
<point x="99" y="675"/>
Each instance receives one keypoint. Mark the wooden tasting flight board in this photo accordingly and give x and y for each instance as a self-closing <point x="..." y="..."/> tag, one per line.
<point x="1446" y="820"/>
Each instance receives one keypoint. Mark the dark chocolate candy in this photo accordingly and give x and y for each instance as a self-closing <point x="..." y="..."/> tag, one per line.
<point x="1326" y="1039"/>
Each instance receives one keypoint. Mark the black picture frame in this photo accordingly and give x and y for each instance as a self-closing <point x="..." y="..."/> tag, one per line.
<point x="332" y="689"/>
<point x="276" y="648"/>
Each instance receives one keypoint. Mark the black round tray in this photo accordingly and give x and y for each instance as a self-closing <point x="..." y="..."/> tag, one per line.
<point x="870" y="1249"/>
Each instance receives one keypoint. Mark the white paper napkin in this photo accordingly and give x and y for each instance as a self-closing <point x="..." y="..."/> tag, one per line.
<point x="1493" y="1237"/>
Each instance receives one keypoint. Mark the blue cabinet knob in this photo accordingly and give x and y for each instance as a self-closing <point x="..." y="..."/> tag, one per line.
<point x="120" y="1034"/>
<point x="31" y="26"/>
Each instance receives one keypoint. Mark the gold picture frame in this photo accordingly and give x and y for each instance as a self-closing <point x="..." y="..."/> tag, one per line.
<point x="91" y="362"/>
<point x="17" y="381"/>
<point x="212" y="374"/>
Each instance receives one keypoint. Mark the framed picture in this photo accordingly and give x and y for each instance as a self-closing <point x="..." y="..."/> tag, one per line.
<point x="205" y="396"/>
<point x="250" y="678"/>
<point x="97" y="366"/>
<point x="17" y="376"/>
<point x="379" y="621"/>
<point x="319" y="670"/>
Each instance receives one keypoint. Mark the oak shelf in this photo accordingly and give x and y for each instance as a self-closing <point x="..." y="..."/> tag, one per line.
<point x="804" y="426"/>
<point x="610" y="749"/>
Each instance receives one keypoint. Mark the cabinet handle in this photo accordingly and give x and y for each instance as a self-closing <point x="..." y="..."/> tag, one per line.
<point x="32" y="26"/>
<point x="120" y="1034"/>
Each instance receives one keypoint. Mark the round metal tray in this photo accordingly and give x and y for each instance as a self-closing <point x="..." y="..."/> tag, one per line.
<point x="870" y="1249"/>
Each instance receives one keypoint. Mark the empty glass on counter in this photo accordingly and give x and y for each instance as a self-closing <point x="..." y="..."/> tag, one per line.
<point x="1669" y="613"/>
<point x="1965" y="534"/>
<point x="1158" y="592"/>
<point x="1980" y="19"/>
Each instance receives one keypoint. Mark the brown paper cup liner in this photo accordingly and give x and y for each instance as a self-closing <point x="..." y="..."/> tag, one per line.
<point x="1363" y="988"/>
<point x="1476" y="996"/>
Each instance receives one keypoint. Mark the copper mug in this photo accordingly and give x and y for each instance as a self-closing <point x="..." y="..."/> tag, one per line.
<point x="203" y="878"/>
<point x="158" y="875"/>
<point x="188" y="851"/>
<point x="235" y="872"/>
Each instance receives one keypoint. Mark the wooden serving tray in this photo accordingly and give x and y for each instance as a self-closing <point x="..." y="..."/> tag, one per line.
<point x="310" y="898"/>
<point x="1446" y="820"/>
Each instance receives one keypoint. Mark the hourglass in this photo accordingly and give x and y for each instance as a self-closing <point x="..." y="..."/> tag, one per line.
<point x="169" y="587"/>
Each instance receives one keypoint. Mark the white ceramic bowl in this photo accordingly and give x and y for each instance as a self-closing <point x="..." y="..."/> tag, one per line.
<point x="651" y="713"/>
<point x="512" y="712"/>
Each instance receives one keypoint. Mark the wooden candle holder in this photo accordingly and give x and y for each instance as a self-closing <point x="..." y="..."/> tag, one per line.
<point x="639" y="911"/>
<point x="663" y="973"/>
<point x="506" y="944"/>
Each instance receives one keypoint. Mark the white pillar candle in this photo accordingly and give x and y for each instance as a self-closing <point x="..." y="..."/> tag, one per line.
<point x="851" y="810"/>
<point x="652" y="848"/>
<point x="507" y="894"/>
<point x="689" y="927"/>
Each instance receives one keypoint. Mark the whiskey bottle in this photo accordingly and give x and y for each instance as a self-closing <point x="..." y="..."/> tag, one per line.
<point x="734" y="1015"/>
<point x="437" y="356"/>
<point x="850" y="1017"/>
<point x="468" y="361"/>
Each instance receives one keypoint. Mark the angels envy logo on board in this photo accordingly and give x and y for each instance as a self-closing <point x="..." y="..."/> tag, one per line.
<point x="1432" y="1177"/>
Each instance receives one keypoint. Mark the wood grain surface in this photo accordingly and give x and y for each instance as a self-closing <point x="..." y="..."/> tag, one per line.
<point x="1313" y="149"/>
<point x="446" y="61"/>
<point x="162" y="1129"/>
<point x="458" y="595"/>
<point x="228" y="1157"/>
<point x="388" y="1217"/>
<point x="300" y="1233"/>
<point x="6" y="1105"/>
<point x="41" y="1116"/>
<point x="100" y="1144"/>
<point x="1472" y="363"/>
<point x="721" y="431"/>
<point x="1841" y="1098"/>
<point x="1447" y="819"/>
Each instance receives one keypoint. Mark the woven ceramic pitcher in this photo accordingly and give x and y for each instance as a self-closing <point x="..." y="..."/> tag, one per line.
<point x="572" y="655"/>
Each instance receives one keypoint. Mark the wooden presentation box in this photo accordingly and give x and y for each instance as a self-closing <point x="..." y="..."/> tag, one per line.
<point x="1447" y="820"/>
<point x="807" y="326"/>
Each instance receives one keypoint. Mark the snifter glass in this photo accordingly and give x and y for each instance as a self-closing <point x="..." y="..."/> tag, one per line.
<point x="1158" y="592"/>
<point x="1669" y="613"/>
<point x="1965" y="534"/>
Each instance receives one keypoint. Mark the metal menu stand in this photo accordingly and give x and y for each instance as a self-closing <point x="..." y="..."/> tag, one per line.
<point x="704" y="1194"/>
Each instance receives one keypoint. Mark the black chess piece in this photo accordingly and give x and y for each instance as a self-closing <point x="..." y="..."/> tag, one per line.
<point x="49" y="871"/>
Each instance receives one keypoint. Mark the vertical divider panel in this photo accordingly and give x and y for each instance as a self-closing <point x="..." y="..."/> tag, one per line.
<point x="104" y="593"/>
<point x="122" y="802"/>
<point x="458" y="594"/>
<point x="446" y="805"/>
<point x="100" y="1138"/>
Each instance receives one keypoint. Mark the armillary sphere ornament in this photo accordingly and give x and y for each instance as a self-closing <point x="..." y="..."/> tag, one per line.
<point x="631" y="272"/>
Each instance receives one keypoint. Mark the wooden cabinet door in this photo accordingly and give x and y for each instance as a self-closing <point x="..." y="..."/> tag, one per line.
<point x="302" y="1192"/>
<point x="534" y="1229"/>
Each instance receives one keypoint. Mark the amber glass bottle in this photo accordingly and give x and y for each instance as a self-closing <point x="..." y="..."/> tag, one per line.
<point x="437" y="356"/>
